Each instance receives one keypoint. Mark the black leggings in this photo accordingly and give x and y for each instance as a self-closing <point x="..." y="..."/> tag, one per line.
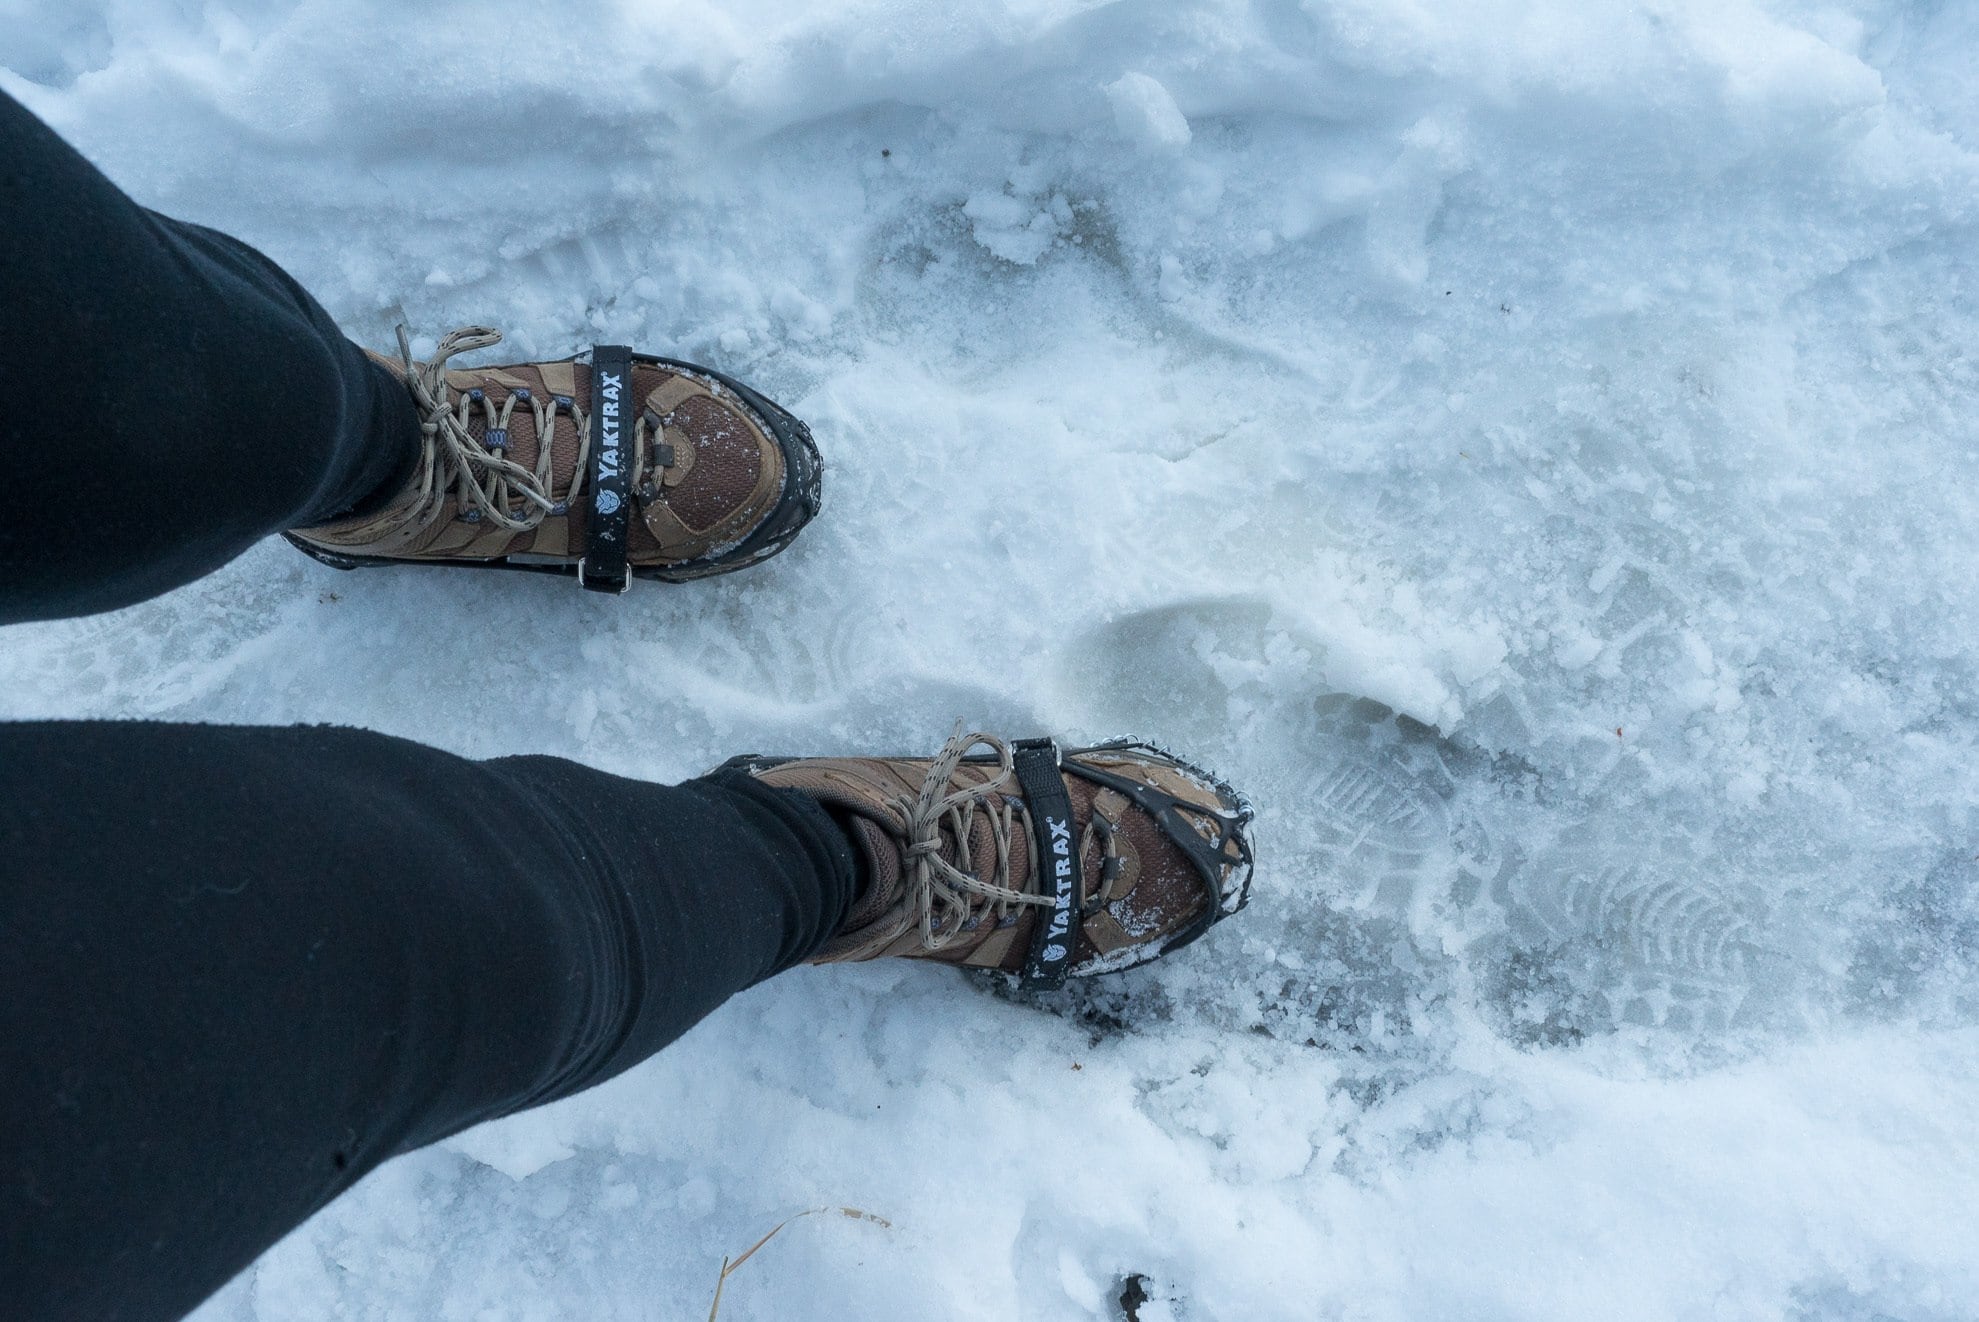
<point x="240" y="967"/>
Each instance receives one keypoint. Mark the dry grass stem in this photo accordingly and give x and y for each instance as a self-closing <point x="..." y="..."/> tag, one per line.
<point x="729" y="1265"/>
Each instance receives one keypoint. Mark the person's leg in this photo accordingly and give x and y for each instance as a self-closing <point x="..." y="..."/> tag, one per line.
<point x="239" y="968"/>
<point x="171" y="396"/>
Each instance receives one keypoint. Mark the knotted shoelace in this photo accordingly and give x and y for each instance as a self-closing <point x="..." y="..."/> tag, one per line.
<point x="948" y="898"/>
<point x="488" y="486"/>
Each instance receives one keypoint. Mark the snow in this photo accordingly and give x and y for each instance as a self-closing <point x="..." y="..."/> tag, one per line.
<point x="1530" y="447"/>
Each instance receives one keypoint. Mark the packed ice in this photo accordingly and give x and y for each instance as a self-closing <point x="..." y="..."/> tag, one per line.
<point x="1532" y="448"/>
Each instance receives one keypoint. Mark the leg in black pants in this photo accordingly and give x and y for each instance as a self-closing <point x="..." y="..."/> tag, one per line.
<point x="172" y="396"/>
<point x="241" y="967"/>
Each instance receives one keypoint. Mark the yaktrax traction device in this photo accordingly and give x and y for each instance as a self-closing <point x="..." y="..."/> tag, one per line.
<point x="803" y="474"/>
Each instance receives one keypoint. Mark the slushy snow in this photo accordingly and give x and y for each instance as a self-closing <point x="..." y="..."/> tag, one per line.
<point x="1532" y="447"/>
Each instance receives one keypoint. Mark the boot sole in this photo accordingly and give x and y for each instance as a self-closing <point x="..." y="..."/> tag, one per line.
<point x="803" y="482"/>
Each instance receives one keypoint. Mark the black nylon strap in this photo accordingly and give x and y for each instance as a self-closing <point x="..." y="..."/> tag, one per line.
<point x="607" y="522"/>
<point x="1054" y="857"/>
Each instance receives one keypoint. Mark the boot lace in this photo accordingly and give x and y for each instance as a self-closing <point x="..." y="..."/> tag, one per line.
<point x="946" y="897"/>
<point x="487" y="486"/>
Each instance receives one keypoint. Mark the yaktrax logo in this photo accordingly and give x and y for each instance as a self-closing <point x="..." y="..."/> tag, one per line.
<point x="611" y="385"/>
<point x="607" y="502"/>
<point x="1061" y="853"/>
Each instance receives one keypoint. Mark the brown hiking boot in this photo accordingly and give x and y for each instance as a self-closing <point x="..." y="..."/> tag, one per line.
<point x="1142" y="853"/>
<point x="653" y="469"/>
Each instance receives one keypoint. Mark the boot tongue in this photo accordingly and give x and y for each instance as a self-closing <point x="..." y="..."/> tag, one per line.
<point x="882" y="857"/>
<point x="880" y="849"/>
<point x="862" y="809"/>
<point x="544" y="381"/>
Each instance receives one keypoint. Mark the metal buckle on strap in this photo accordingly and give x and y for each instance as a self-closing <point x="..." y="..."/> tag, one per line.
<point x="604" y="583"/>
<point x="1044" y="744"/>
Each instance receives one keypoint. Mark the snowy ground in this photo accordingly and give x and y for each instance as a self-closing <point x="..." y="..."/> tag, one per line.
<point x="1529" y="444"/>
